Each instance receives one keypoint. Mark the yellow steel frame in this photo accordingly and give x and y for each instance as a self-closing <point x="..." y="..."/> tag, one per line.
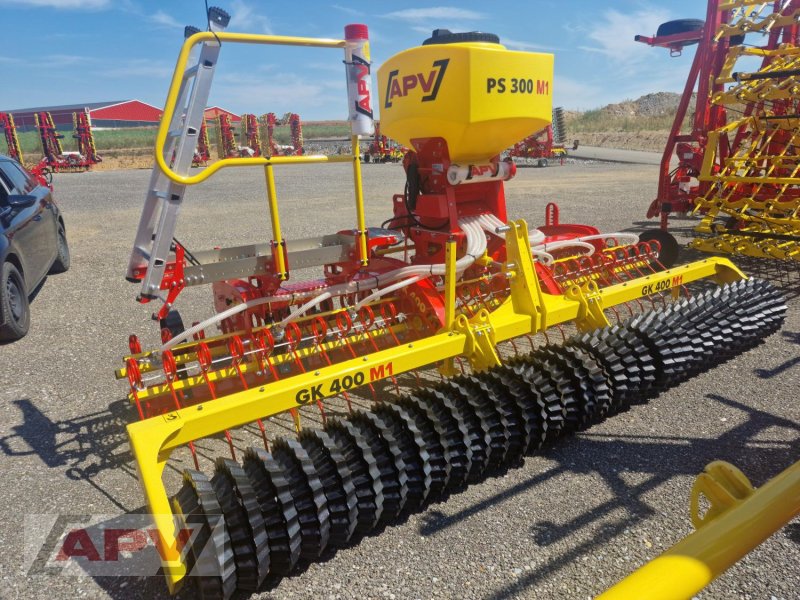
<point x="267" y="161"/>
<point x="740" y="518"/>
<point x="527" y="310"/>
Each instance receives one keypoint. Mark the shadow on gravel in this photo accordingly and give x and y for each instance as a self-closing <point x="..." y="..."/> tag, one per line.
<point x="84" y="446"/>
<point x="659" y="459"/>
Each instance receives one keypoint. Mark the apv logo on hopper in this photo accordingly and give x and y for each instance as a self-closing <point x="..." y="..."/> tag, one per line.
<point x="428" y="82"/>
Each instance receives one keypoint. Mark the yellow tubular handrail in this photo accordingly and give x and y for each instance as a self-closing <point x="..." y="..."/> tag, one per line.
<point x="175" y="86"/>
<point x="694" y="562"/>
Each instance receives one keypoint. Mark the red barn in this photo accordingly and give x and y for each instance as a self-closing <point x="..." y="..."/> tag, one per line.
<point x="215" y="111"/>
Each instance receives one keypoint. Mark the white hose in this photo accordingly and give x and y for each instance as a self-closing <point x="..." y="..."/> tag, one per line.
<point x="388" y="289"/>
<point x="303" y="309"/>
<point x="560" y="245"/>
<point x="546" y="258"/>
<point x="476" y="247"/>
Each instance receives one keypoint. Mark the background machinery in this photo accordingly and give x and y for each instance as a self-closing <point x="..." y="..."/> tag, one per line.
<point x="250" y="140"/>
<point x="737" y="166"/>
<point x="382" y="149"/>
<point x="12" y="141"/>
<point x="271" y="121"/>
<point x="473" y="339"/>
<point x="202" y="153"/>
<point x="56" y="160"/>
<point x="547" y="144"/>
<point x="226" y="140"/>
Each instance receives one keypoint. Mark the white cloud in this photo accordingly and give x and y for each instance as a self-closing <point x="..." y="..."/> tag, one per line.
<point x="65" y="4"/>
<point x="309" y="99"/>
<point x="434" y="12"/>
<point x="524" y="46"/>
<point x="613" y="34"/>
<point x="162" y="18"/>
<point x="244" y="18"/>
<point x="347" y="10"/>
<point x="139" y="68"/>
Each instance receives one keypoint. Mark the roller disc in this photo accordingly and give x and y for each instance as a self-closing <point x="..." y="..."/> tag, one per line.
<point x="412" y="449"/>
<point x="531" y="406"/>
<point x="495" y="417"/>
<point x="510" y="416"/>
<point x="308" y="495"/>
<point x="277" y="507"/>
<point x="586" y="382"/>
<point x="244" y="521"/>
<point x="534" y="374"/>
<point x="210" y="559"/>
<point x="364" y="467"/>
<point x="433" y="438"/>
<point x="337" y="483"/>
<point x="565" y="385"/>
<point x="455" y="437"/>
<point x="456" y="397"/>
<point x="390" y="462"/>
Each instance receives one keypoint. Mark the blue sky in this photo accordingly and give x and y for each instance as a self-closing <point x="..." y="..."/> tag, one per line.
<point x="72" y="51"/>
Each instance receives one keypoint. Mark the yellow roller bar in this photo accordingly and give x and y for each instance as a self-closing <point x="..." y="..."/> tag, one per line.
<point x="693" y="563"/>
<point x="174" y="89"/>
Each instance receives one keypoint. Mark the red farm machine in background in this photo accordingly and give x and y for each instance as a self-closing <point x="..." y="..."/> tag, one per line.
<point x="249" y="138"/>
<point x="226" y="140"/>
<point x="545" y="145"/>
<point x="56" y="160"/>
<point x="12" y="141"/>
<point x="382" y="149"/>
<point x="271" y="121"/>
<point x="202" y="154"/>
<point x="737" y="154"/>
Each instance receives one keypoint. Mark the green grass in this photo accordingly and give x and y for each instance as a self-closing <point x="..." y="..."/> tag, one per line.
<point x="599" y="121"/>
<point x="145" y="137"/>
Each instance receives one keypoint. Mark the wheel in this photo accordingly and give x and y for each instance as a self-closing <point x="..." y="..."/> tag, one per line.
<point x="366" y="157"/>
<point x="173" y="323"/>
<point x="682" y="26"/>
<point x="14" y="309"/>
<point x="542" y="162"/>
<point x="668" y="254"/>
<point x="62" y="262"/>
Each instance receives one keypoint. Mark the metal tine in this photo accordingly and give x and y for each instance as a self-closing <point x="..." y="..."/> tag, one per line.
<point x="204" y="360"/>
<point x="170" y="373"/>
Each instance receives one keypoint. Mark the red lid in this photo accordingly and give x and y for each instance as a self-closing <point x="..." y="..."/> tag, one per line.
<point x="356" y="31"/>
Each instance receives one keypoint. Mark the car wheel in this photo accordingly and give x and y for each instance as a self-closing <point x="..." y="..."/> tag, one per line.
<point x="14" y="309"/>
<point x="62" y="261"/>
<point x="542" y="163"/>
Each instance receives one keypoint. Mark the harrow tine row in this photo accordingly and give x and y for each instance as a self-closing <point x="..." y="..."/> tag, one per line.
<point x="321" y="491"/>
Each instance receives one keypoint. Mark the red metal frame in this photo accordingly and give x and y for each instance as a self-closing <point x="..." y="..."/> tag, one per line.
<point x="226" y="140"/>
<point x="12" y="141"/>
<point x="55" y="159"/>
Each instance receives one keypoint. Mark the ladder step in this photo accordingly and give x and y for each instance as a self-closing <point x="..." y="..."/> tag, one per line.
<point x="190" y="72"/>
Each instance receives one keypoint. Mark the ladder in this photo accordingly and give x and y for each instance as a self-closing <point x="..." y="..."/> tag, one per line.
<point x="154" y="236"/>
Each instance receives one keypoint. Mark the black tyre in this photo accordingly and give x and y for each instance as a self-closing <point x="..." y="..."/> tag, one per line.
<point x="668" y="255"/>
<point x="15" y="313"/>
<point x="542" y="163"/>
<point x="62" y="262"/>
<point x="682" y="26"/>
<point x="172" y="322"/>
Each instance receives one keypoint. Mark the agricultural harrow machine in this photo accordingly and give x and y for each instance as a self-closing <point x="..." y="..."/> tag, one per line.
<point x="250" y="140"/>
<point x="202" y="152"/>
<point x="226" y="139"/>
<point x="381" y="149"/>
<point x="56" y="160"/>
<point x="738" y="166"/>
<point x="547" y="144"/>
<point x="10" y="132"/>
<point x="475" y="339"/>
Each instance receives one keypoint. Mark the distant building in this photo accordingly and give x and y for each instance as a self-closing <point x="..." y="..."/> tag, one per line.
<point x="215" y="111"/>
<point x="122" y="113"/>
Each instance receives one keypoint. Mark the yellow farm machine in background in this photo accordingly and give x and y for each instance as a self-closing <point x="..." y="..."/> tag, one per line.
<point x="738" y="167"/>
<point x="12" y="140"/>
<point x="429" y="353"/>
<point x="546" y="144"/>
<point x="56" y="159"/>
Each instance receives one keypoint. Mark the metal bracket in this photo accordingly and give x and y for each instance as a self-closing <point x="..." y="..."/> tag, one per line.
<point x="590" y="313"/>
<point x="723" y="486"/>
<point x="480" y="348"/>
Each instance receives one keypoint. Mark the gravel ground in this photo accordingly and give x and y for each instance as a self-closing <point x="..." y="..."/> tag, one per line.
<point x="567" y="524"/>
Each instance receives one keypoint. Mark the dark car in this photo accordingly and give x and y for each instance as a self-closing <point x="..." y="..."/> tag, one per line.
<point x="33" y="243"/>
